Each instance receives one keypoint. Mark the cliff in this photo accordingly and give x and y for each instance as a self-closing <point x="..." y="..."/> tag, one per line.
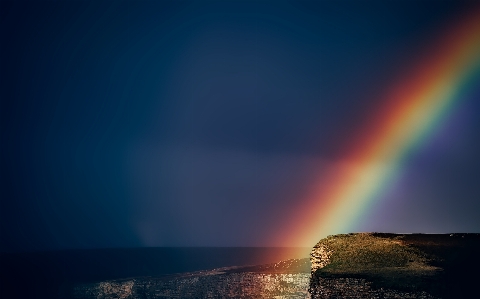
<point x="379" y="265"/>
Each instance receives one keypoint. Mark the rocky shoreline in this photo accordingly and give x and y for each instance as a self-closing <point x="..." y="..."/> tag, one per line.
<point x="288" y="279"/>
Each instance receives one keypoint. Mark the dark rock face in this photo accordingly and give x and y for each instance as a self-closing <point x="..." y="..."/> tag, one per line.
<point x="378" y="265"/>
<point x="358" y="288"/>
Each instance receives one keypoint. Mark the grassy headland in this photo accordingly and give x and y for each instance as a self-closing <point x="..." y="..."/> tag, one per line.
<point x="442" y="265"/>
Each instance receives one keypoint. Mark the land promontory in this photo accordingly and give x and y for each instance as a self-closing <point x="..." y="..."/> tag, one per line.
<point x="381" y="265"/>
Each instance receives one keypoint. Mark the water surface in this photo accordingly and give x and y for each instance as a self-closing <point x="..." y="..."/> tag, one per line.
<point x="43" y="274"/>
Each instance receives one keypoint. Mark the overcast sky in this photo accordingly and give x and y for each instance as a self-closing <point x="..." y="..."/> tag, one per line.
<point x="204" y="123"/>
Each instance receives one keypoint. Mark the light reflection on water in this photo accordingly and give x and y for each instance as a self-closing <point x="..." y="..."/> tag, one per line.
<point x="287" y="279"/>
<point x="219" y="285"/>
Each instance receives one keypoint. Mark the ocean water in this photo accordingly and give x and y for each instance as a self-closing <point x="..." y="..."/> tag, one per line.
<point x="45" y="274"/>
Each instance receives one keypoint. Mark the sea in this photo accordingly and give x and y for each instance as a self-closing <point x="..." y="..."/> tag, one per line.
<point x="46" y="274"/>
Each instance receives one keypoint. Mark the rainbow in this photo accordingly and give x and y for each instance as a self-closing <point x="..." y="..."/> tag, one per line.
<point x="414" y="108"/>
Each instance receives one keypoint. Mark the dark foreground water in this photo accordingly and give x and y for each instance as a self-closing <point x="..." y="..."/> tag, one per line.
<point x="44" y="274"/>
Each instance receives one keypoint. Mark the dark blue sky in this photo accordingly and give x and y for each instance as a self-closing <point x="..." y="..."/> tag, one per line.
<point x="171" y="123"/>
